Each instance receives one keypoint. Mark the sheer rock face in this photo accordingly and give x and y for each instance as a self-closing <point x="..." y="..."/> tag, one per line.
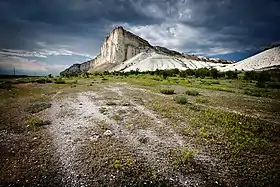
<point x="121" y="45"/>
<point x="118" y="47"/>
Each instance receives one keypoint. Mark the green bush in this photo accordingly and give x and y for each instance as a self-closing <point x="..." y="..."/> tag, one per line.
<point x="192" y="92"/>
<point x="214" y="73"/>
<point x="43" y="80"/>
<point x="202" y="72"/>
<point x="250" y="75"/>
<point x="181" y="100"/>
<point x="167" y="91"/>
<point x="59" y="81"/>
<point x="231" y="74"/>
<point x="185" y="157"/>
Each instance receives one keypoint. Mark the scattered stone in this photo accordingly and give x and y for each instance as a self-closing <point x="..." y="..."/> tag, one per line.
<point x="108" y="133"/>
<point x="102" y="110"/>
<point x="143" y="139"/>
<point x="126" y="104"/>
<point x="94" y="138"/>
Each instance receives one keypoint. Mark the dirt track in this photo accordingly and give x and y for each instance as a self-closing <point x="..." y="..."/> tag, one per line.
<point x="80" y="120"/>
<point x="118" y="134"/>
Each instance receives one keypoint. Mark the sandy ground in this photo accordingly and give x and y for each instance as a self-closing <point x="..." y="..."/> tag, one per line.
<point x="76" y="121"/>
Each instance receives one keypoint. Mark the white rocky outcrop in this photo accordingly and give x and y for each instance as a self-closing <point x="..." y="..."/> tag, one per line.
<point x="124" y="51"/>
<point x="118" y="47"/>
<point x="264" y="60"/>
<point x="122" y="45"/>
<point x="153" y="61"/>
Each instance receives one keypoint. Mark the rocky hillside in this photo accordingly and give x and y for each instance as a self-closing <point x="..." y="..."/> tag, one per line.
<point x="121" y="46"/>
<point x="118" y="47"/>
<point x="268" y="59"/>
<point x="125" y="51"/>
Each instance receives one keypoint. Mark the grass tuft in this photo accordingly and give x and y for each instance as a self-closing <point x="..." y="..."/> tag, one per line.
<point x="59" y="81"/>
<point x="185" y="158"/>
<point x="192" y="92"/>
<point x="37" y="107"/>
<point x="181" y="100"/>
<point x="167" y="91"/>
<point x="34" y="123"/>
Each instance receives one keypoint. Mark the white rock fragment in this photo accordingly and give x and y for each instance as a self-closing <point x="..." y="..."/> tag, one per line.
<point x="94" y="138"/>
<point x="108" y="133"/>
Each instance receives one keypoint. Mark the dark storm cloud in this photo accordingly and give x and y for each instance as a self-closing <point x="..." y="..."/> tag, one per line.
<point x="25" y="21"/>
<point x="78" y="27"/>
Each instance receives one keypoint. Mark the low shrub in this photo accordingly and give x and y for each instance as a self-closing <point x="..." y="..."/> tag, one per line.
<point x="181" y="100"/>
<point x="192" y="92"/>
<point x="43" y="80"/>
<point x="37" y="107"/>
<point x="167" y="91"/>
<point x="156" y="78"/>
<point x="34" y="123"/>
<point x="73" y="82"/>
<point x="59" y="81"/>
<point x="185" y="157"/>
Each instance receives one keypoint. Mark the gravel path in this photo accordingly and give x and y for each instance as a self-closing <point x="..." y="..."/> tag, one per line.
<point x="75" y="115"/>
<point x="71" y="119"/>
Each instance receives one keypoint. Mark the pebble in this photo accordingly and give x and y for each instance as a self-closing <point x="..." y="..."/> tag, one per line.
<point x="94" y="138"/>
<point x="108" y="133"/>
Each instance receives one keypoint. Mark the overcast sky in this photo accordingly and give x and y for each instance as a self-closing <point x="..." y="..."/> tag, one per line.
<point x="46" y="36"/>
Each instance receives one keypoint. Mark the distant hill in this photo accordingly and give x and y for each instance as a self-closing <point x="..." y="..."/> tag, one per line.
<point x="267" y="59"/>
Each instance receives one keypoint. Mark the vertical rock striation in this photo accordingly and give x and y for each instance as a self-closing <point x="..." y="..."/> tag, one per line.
<point x="121" y="51"/>
<point x="118" y="47"/>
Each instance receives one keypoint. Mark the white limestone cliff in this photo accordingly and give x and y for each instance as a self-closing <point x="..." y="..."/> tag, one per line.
<point x="121" y="45"/>
<point x="124" y="51"/>
<point x="118" y="47"/>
